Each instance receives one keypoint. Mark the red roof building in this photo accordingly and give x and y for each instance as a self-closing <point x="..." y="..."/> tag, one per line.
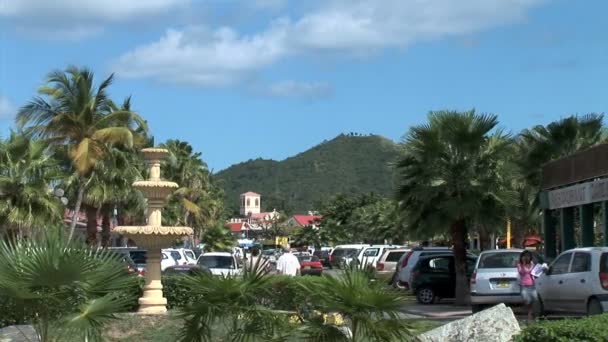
<point x="304" y="220"/>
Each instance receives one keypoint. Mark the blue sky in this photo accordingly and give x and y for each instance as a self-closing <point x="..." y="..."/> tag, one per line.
<point x="242" y="79"/>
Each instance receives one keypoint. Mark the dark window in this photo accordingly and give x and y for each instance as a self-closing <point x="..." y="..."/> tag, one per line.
<point x="176" y="255"/>
<point x="581" y="263"/>
<point x="604" y="263"/>
<point x="216" y="261"/>
<point x="138" y="257"/>
<point x="439" y="265"/>
<point x="257" y="203"/>
<point x="471" y="264"/>
<point x="345" y="252"/>
<point x="371" y="252"/>
<point x="394" y="256"/>
<point x="561" y="264"/>
<point x="499" y="260"/>
<point x="248" y="202"/>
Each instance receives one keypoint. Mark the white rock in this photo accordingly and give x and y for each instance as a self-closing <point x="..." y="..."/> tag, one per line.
<point x="497" y="324"/>
<point x="18" y="333"/>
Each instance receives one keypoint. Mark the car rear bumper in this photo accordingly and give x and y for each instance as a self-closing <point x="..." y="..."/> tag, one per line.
<point x="313" y="272"/>
<point x="507" y="298"/>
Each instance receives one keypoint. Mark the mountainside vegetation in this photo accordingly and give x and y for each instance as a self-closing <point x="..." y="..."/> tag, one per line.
<point x="348" y="164"/>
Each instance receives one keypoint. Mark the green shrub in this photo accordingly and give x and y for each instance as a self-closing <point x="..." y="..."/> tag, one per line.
<point x="589" y="329"/>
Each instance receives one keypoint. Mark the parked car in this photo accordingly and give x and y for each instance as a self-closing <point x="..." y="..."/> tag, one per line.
<point x="576" y="282"/>
<point x="363" y="254"/>
<point x="186" y="270"/>
<point x="220" y="263"/>
<point x="401" y="280"/>
<point x="310" y="265"/>
<point x="344" y="254"/>
<point x="182" y="256"/>
<point x="495" y="279"/>
<point x="323" y="256"/>
<point x="433" y="277"/>
<point x="385" y="267"/>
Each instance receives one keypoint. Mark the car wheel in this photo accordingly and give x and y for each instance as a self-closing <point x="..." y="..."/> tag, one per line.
<point x="425" y="295"/>
<point x="594" y="307"/>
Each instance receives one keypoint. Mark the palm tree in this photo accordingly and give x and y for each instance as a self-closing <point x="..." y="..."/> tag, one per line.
<point x="71" y="113"/>
<point x="110" y="188"/>
<point x="69" y="290"/>
<point x="198" y="201"/>
<point x="448" y="167"/>
<point x="218" y="239"/>
<point x="540" y="145"/>
<point x="558" y="139"/>
<point x="26" y="173"/>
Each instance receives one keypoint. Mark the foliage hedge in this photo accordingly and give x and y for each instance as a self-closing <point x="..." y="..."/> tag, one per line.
<point x="589" y="329"/>
<point x="286" y="294"/>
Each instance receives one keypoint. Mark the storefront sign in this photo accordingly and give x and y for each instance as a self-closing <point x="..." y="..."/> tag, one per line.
<point x="579" y="194"/>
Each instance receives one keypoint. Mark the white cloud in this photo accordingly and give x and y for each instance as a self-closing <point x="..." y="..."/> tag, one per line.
<point x="344" y="27"/>
<point x="203" y="57"/>
<point x="7" y="109"/>
<point x="77" y="19"/>
<point x="299" y="89"/>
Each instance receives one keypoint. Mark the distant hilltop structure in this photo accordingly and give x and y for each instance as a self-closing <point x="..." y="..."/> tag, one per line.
<point x="252" y="218"/>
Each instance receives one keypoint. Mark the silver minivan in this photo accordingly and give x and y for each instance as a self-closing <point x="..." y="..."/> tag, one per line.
<point x="576" y="282"/>
<point x="495" y="279"/>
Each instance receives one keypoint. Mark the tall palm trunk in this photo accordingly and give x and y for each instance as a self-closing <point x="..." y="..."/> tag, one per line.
<point x="484" y="239"/>
<point x="105" y="225"/>
<point x="79" y="198"/>
<point x="91" y="213"/>
<point x="458" y="231"/>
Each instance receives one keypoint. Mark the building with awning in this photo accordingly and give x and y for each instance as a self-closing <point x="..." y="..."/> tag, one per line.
<point x="574" y="187"/>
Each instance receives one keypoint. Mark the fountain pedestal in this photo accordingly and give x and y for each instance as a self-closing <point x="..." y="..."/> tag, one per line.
<point x="153" y="236"/>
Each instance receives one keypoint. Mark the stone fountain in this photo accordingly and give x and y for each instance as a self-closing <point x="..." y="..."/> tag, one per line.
<point x="153" y="236"/>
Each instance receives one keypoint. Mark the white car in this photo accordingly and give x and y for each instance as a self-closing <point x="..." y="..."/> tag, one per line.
<point x="364" y="254"/>
<point x="495" y="279"/>
<point x="183" y="256"/>
<point x="220" y="263"/>
<point x="576" y="282"/>
<point x="167" y="260"/>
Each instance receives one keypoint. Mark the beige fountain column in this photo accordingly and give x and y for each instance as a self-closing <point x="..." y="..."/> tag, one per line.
<point x="153" y="237"/>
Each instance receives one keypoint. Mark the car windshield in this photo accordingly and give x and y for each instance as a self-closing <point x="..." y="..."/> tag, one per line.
<point x="346" y="252"/>
<point x="268" y="252"/>
<point x="499" y="260"/>
<point x="216" y="261"/>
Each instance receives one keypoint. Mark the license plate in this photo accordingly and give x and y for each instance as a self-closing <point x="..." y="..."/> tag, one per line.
<point x="306" y="267"/>
<point x="503" y="284"/>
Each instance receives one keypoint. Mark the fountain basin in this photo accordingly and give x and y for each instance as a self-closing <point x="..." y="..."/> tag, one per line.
<point x="153" y="237"/>
<point x="156" y="189"/>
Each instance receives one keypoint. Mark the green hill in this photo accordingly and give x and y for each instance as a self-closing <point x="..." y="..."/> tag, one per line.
<point x="346" y="164"/>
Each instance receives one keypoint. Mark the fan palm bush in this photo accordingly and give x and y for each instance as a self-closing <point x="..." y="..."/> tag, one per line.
<point x="68" y="290"/>
<point x="369" y="310"/>
<point x="228" y="308"/>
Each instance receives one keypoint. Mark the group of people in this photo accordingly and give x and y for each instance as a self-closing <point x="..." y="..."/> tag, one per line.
<point x="287" y="264"/>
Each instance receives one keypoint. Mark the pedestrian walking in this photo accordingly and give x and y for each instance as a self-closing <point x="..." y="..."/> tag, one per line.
<point x="526" y="282"/>
<point x="288" y="264"/>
